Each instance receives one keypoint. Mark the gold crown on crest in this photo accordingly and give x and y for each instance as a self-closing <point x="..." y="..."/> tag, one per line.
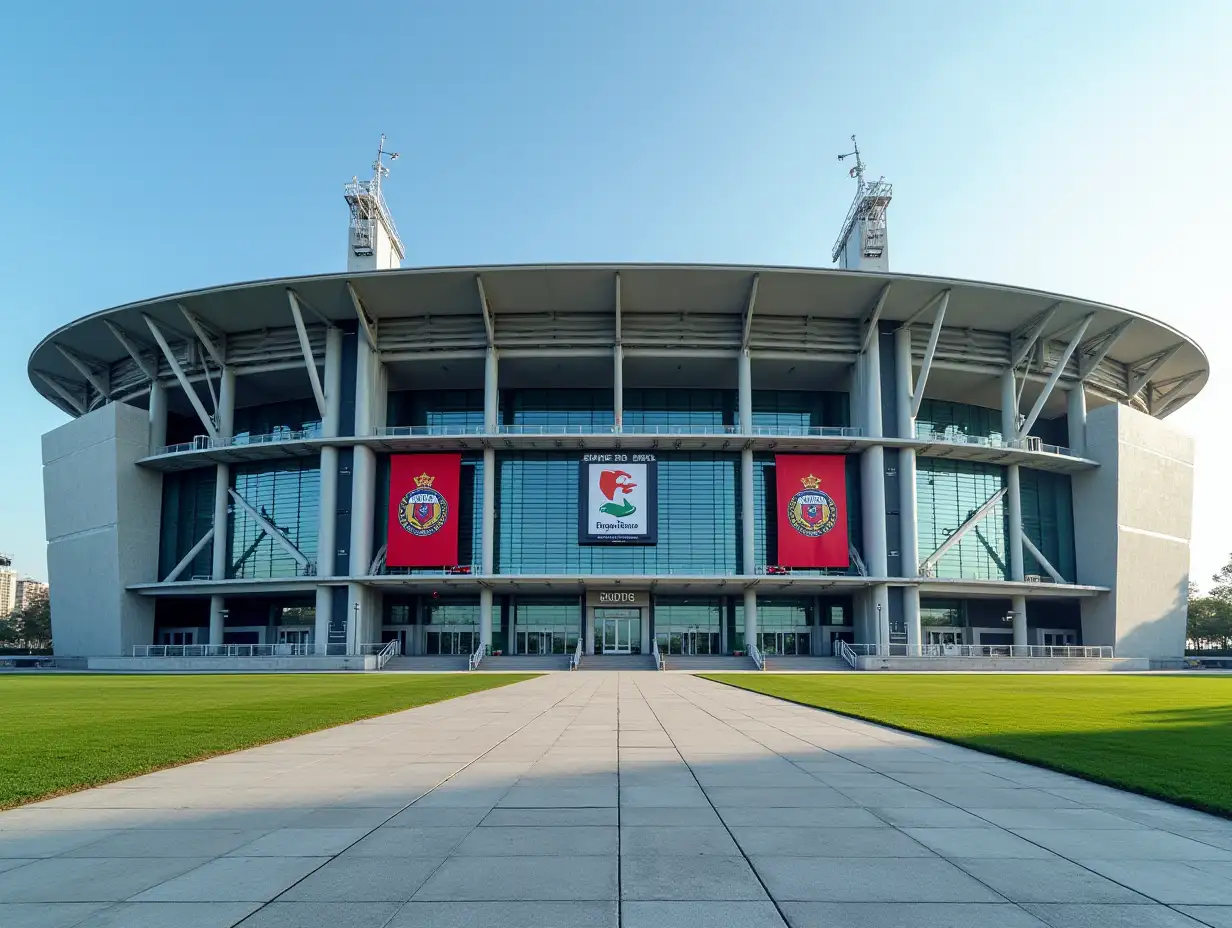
<point x="423" y="480"/>
<point x="810" y="482"/>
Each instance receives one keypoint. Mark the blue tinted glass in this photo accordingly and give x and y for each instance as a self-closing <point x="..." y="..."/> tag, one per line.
<point x="286" y="494"/>
<point x="276" y="419"/>
<point x="798" y="410"/>
<point x="947" y="493"/>
<point x="439" y="410"/>
<point x="678" y="409"/>
<point x="187" y="514"/>
<point x="1048" y="520"/>
<point x="470" y="517"/>
<point x="955" y="421"/>
<point x="576" y="409"/>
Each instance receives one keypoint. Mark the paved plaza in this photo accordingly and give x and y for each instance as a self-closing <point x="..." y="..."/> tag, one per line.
<point x="600" y="799"/>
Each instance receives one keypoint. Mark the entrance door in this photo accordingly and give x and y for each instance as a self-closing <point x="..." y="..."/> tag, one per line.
<point x="945" y="636"/>
<point x="618" y="635"/>
<point x="292" y="636"/>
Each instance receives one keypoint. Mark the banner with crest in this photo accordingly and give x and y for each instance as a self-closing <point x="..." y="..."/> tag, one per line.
<point x="812" y="510"/>
<point x="424" y="510"/>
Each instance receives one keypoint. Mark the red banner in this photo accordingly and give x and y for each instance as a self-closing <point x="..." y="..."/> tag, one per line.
<point x="812" y="510"/>
<point x="424" y="510"/>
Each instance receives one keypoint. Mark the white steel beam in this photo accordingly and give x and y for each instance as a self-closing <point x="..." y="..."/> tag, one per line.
<point x="1094" y="350"/>
<point x="61" y="391"/>
<point x="1167" y="392"/>
<point x="361" y="312"/>
<point x="378" y="562"/>
<point x="873" y="317"/>
<point x="488" y="328"/>
<point x="100" y="382"/>
<point x="619" y="308"/>
<point x="1030" y="334"/>
<point x="270" y="529"/>
<point x="923" y="310"/>
<point x="187" y="387"/>
<point x="189" y="557"/>
<point x="748" y="313"/>
<point x="1043" y="561"/>
<point x="306" y="347"/>
<point x="1140" y="378"/>
<point x="134" y="351"/>
<point x="929" y="352"/>
<point x="1055" y="375"/>
<point x="926" y="565"/>
<point x="205" y="335"/>
<point x="1173" y="404"/>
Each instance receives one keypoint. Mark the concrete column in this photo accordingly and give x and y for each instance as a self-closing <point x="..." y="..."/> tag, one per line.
<point x="222" y="480"/>
<point x="1076" y="415"/>
<point x="491" y="392"/>
<point x="487" y="555"/>
<point x="1009" y="407"/>
<point x="618" y="386"/>
<point x="158" y="416"/>
<point x="750" y="617"/>
<point x="327" y="526"/>
<point x="872" y="494"/>
<point x="745" y="392"/>
<point x="333" y="382"/>
<point x="1014" y="541"/>
<point x="909" y="544"/>
<point x="218" y="615"/>
<point x="226" y="404"/>
<point x="485" y="618"/>
<point x="1019" y="608"/>
<point x="911" y="612"/>
<point x="365" y="387"/>
<point x="748" y="548"/>
<point x="588" y="626"/>
<point x="363" y="494"/>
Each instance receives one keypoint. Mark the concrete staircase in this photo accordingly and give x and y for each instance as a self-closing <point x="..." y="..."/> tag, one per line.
<point x="618" y="662"/>
<point x="436" y="664"/>
<point x="803" y="663"/>
<point x="705" y="663"/>
<point x="523" y="663"/>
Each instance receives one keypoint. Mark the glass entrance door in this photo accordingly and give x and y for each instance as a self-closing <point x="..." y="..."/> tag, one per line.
<point x="542" y="642"/>
<point x="783" y="642"/>
<point x="452" y="641"/>
<point x="618" y="635"/>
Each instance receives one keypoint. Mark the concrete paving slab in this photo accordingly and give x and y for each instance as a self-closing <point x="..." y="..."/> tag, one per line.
<point x="301" y="842"/>
<point x="1172" y="882"/>
<point x="507" y="915"/>
<point x="1217" y="916"/>
<point x="480" y="879"/>
<point x="541" y="841"/>
<point x="1047" y="880"/>
<point x="987" y="842"/>
<point x="323" y="915"/>
<point x="689" y="878"/>
<point x="676" y="841"/>
<point x="169" y="915"/>
<point x="885" y="879"/>
<point x="46" y="914"/>
<point x="233" y="879"/>
<point x="1139" y="844"/>
<point x="86" y="879"/>
<point x="364" y="879"/>
<point x="881" y="841"/>
<point x="914" y="914"/>
<point x="700" y="915"/>
<point x="409" y="842"/>
<point x="1109" y="916"/>
<point x="200" y="842"/>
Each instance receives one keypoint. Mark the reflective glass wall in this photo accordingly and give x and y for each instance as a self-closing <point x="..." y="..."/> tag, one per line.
<point x="689" y="625"/>
<point x="443" y="411"/>
<point x="278" y="419"/>
<point x="705" y="410"/>
<point x="947" y="493"/>
<point x="1048" y="520"/>
<point x="797" y="411"/>
<point x="286" y="493"/>
<point x="187" y="514"/>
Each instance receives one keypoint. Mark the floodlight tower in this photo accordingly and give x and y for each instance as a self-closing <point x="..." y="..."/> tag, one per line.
<point x="373" y="243"/>
<point x="864" y="245"/>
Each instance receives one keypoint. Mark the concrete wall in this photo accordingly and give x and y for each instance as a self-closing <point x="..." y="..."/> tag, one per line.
<point x="232" y="664"/>
<point x="103" y="517"/>
<point x="1133" y="520"/>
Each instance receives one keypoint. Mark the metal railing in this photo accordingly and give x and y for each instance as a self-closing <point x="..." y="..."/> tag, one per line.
<point x="390" y="651"/>
<point x="843" y="649"/>
<point x="660" y="661"/>
<point x="575" y="659"/>
<point x="411" y="431"/>
<point x="472" y="662"/>
<point x="1089" y="652"/>
<point x="808" y="431"/>
<point x="758" y="659"/>
<point x="953" y="436"/>
<point x="205" y="443"/>
<point x="253" y="650"/>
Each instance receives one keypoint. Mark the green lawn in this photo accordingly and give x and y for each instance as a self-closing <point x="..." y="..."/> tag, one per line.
<point x="63" y="733"/>
<point x="1169" y="737"/>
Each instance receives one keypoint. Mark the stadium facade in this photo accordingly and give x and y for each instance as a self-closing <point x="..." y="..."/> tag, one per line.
<point x="700" y="458"/>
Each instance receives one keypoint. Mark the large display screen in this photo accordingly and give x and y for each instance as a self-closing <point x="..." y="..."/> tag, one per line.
<point x="618" y="499"/>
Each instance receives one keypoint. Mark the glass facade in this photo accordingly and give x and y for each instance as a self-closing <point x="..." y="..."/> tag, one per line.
<point x="1048" y="520"/>
<point x="799" y="410"/>
<point x="187" y="514"/>
<point x="547" y="626"/>
<point x="443" y="411"/>
<point x="688" y="625"/>
<point x="537" y="518"/>
<point x="947" y="493"/>
<point x="783" y="626"/>
<point x="679" y="410"/>
<point x="581" y="409"/>
<point x="765" y="509"/>
<point x="453" y="626"/>
<point x="958" y="421"/>
<point x="276" y="419"/>
<point x="287" y="493"/>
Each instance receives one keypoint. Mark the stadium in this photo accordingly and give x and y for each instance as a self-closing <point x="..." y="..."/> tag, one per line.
<point x="617" y="465"/>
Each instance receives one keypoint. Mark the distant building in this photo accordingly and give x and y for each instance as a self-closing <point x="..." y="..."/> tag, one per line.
<point x="8" y="586"/>
<point x="28" y="592"/>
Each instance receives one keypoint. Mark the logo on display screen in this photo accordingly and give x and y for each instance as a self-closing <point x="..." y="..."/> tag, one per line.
<point x="617" y="499"/>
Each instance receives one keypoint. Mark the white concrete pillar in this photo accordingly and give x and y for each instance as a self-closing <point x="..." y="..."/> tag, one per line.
<point x="487" y="541"/>
<point x="744" y="393"/>
<point x="324" y="613"/>
<point x="365" y="387"/>
<point x="222" y="539"/>
<point x="363" y="494"/>
<point x="908" y="544"/>
<point x="333" y="382"/>
<point x="911" y="612"/>
<point x="218" y="616"/>
<point x="158" y="416"/>
<point x="485" y="618"/>
<point x="872" y="495"/>
<point x="750" y="617"/>
<point x="491" y="392"/>
<point x="1009" y="407"/>
<point x="226" y="404"/>
<point x="1014" y="541"/>
<point x="618" y="387"/>
<point x="363" y="509"/>
<point x="1076" y="415"/>
<point x="588" y="626"/>
<point x="1019" y="609"/>
<point x="327" y="525"/>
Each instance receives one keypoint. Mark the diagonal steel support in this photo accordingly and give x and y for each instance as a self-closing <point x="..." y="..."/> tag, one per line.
<point x="270" y="529"/>
<point x="190" y="556"/>
<point x="1029" y="335"/>
<point x="748" y="314"/>
<point x="974" y="519"/>
<point x="1168" y="392"/>
<point x="1140" y="378"/>
<point x="923" y="310"/>
<point x="1094" y="350"/>
<point x="206" y="336"/>
<point x="378" y="562"/>
<point x="873" y="317"/>
<point x="63" y="392"/>
<point x="305" y="346"/>
<point x="486" y="309"/>
<point x="1043" y="561"/>
<point x="90" y="371"/>
<point x="365" y="321"/>
<point x="927" y="364"/>
<point x="187" y="387"/>
<point x="144" y="364"/>
<point x="1057" y="370"/>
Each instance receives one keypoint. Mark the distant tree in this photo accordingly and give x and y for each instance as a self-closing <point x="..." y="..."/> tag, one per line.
<point x="1209" y="618"/>
<point x="29" y="627"/>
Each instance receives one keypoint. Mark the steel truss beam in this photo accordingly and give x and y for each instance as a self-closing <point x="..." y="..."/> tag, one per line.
<point x="190" y="556"/>
<point x="1093" y="351"/>
<point x="1170" y="393"/>
<point x="134" y="351"/>
<point x="305" y="346"/>
<point x="270" y="529"/>
<point x="929" y="353"/>
<point x="89" y="369"/>
<point x="176" y="369"/>
<point x="207" y="336"/>
<point x="926" y="565"/>
<point x="488" y="328"/>
<point x="1043" y="561"/>
<point x="366" y="322"/>
<point x="748" y="314"/>
<point x="873" y="317"/>
<point x="77" y="402"/>
<point x="1140" y="376"/>
<point x="923" y="310"/>
<point x="1028" y="336"/>
<point x="1057" y="370"/>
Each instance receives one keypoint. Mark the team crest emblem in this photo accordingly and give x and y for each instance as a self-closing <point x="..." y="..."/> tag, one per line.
<point x="811" y="511"/>
<point x="424" y="510"/>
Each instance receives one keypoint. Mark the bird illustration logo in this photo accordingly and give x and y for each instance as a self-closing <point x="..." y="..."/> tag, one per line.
<point x="612" y="482"/>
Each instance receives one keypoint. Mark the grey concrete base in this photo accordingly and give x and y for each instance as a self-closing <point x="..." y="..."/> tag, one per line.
<point x="604" y="799"/>
<point x="232" y="664"/>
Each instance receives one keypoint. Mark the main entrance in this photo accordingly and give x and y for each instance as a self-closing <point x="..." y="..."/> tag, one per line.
<point x="619" y="631"/>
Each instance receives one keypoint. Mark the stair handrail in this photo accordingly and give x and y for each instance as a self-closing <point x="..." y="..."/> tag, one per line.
<point x="660" y="661"/>
<point x="472" y="662"/>
<point x="756" y="654"/>
<point x="575" y="660"/>
<point x="391" y="650"/>
<point x="847" y="653"/>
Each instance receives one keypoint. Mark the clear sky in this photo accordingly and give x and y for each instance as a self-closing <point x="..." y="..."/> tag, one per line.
<point x="151" y="147"/>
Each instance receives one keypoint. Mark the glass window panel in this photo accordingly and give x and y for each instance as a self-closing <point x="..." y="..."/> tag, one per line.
<point x="287" y="494"/>
<point x="798" y="410"/>
<point x="581" y="409"/>
<point x="1048" y="520"/>
<point x="956" y="421"/>
<point x="276" y="419"/>
<point x="678" y="409"/>
<point x="187" y="514"/>
<point x="444" y="411"/>
<point x="947" y="493"/>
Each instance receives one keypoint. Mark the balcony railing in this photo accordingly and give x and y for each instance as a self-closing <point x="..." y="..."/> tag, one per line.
<point x="953" y="436"/>
<point x="1091" y="652"/>
<point x="253" y="650"/>
<point x="206" y="443"/>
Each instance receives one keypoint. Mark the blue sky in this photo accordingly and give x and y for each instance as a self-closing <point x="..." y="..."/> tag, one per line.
<point x="154" y="147"/>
